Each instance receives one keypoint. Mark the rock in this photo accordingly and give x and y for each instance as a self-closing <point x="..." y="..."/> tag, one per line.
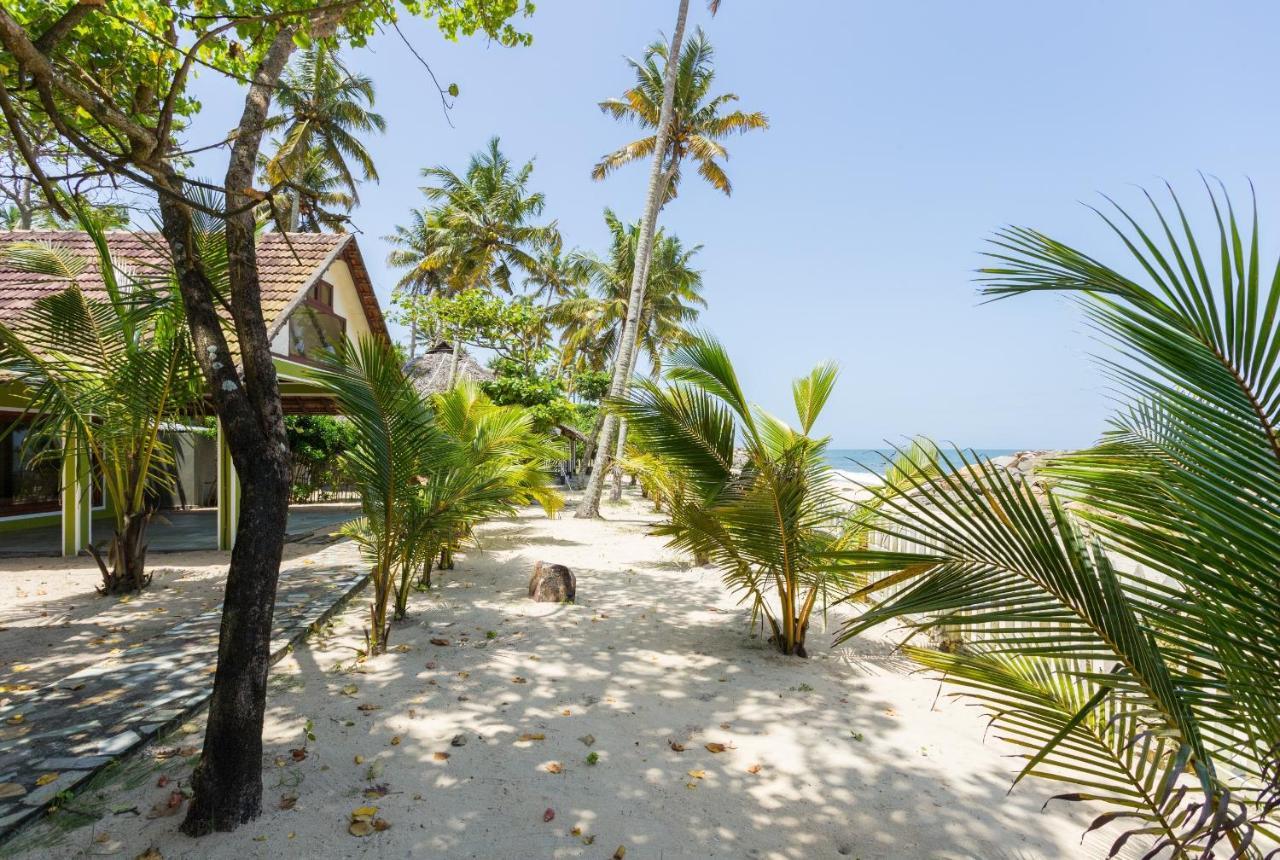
<point x="552" y="583"/>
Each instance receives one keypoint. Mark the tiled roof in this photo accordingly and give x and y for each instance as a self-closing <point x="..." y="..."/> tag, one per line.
<point x="285" y="268"/>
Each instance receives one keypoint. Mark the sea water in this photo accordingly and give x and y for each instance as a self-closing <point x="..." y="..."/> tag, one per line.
<point x="867" y="465"/>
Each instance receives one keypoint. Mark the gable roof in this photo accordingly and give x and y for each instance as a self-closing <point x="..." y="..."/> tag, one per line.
<point x="288" y="265"/>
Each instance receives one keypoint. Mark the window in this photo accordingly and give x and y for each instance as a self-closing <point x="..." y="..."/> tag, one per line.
<point x="25" y="489"/>
<point x="314" y="331"/>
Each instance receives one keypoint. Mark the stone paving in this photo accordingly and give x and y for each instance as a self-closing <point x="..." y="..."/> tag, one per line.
<point x="57" y="738"/>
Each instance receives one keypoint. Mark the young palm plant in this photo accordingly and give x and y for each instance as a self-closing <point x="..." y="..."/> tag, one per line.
<point x="768" y="526"/>
<point x="1113" y="604"/>
<point x="104" y="373"/>
<point x="396" y="444"/>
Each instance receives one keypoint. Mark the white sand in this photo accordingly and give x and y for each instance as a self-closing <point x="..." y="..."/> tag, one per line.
<point x="654" y="652"/>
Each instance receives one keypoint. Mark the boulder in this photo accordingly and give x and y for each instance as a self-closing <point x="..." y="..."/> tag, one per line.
<point x="552" y="583"/>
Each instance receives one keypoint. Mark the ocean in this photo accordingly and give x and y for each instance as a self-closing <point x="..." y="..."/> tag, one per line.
<point x="857" y="461"/>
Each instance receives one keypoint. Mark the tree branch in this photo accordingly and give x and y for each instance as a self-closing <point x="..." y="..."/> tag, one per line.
<point x="29" y="154"/>
<point x="59" y="29"/>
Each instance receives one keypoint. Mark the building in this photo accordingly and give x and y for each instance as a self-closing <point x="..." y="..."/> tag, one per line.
<point x="315" y="290"/>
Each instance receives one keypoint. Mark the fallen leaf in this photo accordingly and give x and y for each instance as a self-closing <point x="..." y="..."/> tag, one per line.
<point x="532" y="736"/>
<point x="11" y="789"/>
<point x="365" y="812"/>
<point x="554" y="767"/>
<point x="458" y="740"/>
<point x="381" y="824"/>
<point x="518" y="680"/>
<point x="549" y="815"/>
<point x="395" y="740"/>
<point x="620" y="853"/>
<point x="349" y="690"/>
<point x="46" y="778"/>
<point x="151" y="853"/>
<point x="566" y="712"/>
<point x="697" y="774"/>
<point x="189" y="728"/>
<point x="105" y="846"/>
<point x="577" y="831"/>
<point x="441" y="642"/>
<point x="169" y="806"/>
<point x="15" y="720"/>
<point x="440" y="756"/>
<point x="716" y="748"/>
<point x="358" y="759"/>
<point x="588" y="739"/>
<point x="360" y="828"/>
<point x="755" y="768"/>
<point x="373" y="792"/>
<point x="288" y="801"/>
<point x="162" y="781"/>
<point x="368" y="707"/>
<point x="298" y="753"/>
<point x="678" y="747"/>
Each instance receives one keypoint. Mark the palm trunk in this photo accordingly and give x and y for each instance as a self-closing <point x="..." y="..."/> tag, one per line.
<point x="620" y="450"/>
<point x="589" y="507"/>
<point x="124" y="568"/>
<point x="453" y="362"/>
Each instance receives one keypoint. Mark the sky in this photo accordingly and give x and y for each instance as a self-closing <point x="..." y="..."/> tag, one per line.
<point x="902" y="135"/>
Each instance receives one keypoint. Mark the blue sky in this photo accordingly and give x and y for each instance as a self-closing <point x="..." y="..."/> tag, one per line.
<point x="902" y="135"/>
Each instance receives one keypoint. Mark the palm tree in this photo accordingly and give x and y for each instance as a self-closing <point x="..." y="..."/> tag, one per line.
<point x="662" y="172"/>
<point x="699" y="122"/>
<point x="104" y="376"/>
<point x="767" y="525"/>
<point x="591" y="324"/>
<point x="323" y="110"/>
<point x="417" y="251"/>
<point x="1155" y="686"/>
<point x="485" y="218"/>
<point x="320" y="200"/>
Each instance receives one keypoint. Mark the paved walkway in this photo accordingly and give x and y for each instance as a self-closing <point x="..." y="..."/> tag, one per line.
<point x="177" y="531"/>
<point x="56" y="738"/>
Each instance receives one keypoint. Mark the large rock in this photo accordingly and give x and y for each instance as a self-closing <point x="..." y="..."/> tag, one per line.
<point x="552" y="583"/>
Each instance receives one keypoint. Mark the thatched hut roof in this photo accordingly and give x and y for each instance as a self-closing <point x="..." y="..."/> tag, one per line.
<point x="430" y="371"/>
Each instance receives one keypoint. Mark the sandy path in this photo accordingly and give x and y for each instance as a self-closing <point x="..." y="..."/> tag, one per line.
<point x="855" y="759"/>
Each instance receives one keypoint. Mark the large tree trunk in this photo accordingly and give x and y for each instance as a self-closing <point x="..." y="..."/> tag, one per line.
<point x="228" y="779"/>
<point x="620" y="450"/>
<point x="589" y="507"/>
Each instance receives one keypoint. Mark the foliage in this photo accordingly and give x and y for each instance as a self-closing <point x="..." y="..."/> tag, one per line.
<point x="427" y="470"/>
<point x="517" y="330"/>
<point x="767" y="525"/>
<point x="592" y="321"/>
<point x="104" y="374"/>
<point x="322" y="108"/>
<point x="317" y="443"/>
<point x="1153" y="688"/>
<point x="698" y="124"/>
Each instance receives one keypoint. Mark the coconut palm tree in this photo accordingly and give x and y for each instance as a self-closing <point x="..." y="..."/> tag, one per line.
<point x="767" y="525"/>
<point x="664" y="167"/>
<point x="105" y="374"/>
<point x="591" y="322"/>
<point x="417" y="249"/>
<point x="323" y="110"/>
<point x="699" y="121"/>
<point x="1116" y="606"/>
<point x="484" y="222"/>
<point x="320" y="198"/>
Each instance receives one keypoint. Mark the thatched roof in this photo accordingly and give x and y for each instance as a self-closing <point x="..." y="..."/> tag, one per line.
<point x="430" y="371"/>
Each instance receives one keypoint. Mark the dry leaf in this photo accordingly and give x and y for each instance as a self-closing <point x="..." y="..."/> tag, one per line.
<point x="349" y="690"/>
<point x="368" y="707"/>
<point x="518" y="680"/>
<point x="360" y="828"/>
<point x="299" y="753"/>
<point x="105" y="846"/>
<point x="549" y="815"/>
<point x="755" y="768"/>
<point x="395" y="740"/>
<point x="151" y="853"/>
<point x="440" y="756"/>
<point x="381" y="824"/>
<point x="532" y="736"/>
<point x="364" y="812"/>
<point x="716" y="748"/>
<point x="15" y="720"/>
<point x="577" y="831"/>
<point x="554" y="767"/>
<point x="46" y="778"/>
<point x="288" y="801"/>
<point x="11" y="789"/>
<point x="588" y="739"/>
<point x="620" y="853"/>
<point x="358" y="759"/>
<point x="169" y="806"/>
<point x="697" y="774"/>
<point x="677" y="747"/>
<point x="440" y="642"/>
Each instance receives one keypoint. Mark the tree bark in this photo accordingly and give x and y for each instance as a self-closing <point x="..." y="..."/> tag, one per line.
<point x="589" y="507"/>
<point x="228" y="779"/>
<point x="620" y="450"/>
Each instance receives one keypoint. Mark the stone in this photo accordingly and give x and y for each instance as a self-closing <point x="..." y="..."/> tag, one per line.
<point x="552" y="583"/>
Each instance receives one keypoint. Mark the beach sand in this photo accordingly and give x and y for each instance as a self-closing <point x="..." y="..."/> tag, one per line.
<point x="847" y="754"/>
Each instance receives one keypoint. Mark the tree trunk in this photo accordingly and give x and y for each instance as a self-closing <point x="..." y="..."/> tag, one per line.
<point x="589" y="507"/>
<point x="124" y="568"/>
<point x="228" y="780"/>
<point x="621" y="449"/>
<point x="453" y="362"/>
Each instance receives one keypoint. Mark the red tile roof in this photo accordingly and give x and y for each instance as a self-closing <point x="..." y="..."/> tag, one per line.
<point x="285" y="268"/>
